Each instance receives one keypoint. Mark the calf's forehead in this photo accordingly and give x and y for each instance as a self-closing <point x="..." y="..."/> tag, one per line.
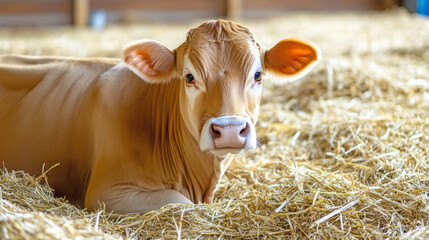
<point x="221" y="48"/>
<point x="217" y="60"/>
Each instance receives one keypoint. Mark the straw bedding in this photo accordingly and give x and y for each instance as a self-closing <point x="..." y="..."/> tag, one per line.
<point x="344" y="152"/>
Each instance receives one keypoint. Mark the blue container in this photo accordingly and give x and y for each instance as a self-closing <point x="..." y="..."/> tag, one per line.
<point x="98" y="19"/>
<point x="423" y="7"/>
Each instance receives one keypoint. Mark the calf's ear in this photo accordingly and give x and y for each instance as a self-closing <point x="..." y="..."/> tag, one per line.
<point x="150" y="60"/>
<point x="290" y="60"/>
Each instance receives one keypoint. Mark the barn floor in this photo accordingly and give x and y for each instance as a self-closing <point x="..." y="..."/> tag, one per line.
<point x="345" y="151"/>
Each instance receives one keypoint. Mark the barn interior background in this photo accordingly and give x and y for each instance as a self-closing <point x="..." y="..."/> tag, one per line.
<point x="344" y="151"/>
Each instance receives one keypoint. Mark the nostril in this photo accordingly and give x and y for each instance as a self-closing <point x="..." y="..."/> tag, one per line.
<point x="242" y="131"/>
<point x="215" y="132"/>
<point x="245" y="130"/>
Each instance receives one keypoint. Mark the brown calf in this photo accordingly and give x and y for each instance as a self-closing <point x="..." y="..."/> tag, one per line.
<point x="157" y="127"/>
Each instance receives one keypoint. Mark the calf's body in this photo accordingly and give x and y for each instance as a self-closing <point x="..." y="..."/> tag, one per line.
<point x="77" y="111"/>
<point x="154" y="128"/>
<point x="46" y="107"/>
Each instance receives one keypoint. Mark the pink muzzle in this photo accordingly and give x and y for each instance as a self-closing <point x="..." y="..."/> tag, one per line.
<point x="229" y="135"/>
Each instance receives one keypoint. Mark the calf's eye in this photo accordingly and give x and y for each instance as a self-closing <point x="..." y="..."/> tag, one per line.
<point x="258" y="76"/>
<point x="189" y="78"/>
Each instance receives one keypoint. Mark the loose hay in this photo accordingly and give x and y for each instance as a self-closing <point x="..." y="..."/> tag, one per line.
<point x="344" y="154"/>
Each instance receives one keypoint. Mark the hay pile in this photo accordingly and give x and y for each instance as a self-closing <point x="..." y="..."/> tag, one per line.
<point x="344" y="155"/>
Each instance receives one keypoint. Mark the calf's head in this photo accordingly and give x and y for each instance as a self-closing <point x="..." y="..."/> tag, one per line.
<point x="221" y="68"/>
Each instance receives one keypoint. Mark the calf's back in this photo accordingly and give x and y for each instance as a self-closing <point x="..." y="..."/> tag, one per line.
<point x="46" y="106"/>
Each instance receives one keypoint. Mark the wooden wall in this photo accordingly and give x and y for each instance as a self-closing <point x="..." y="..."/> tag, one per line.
<point x="34" y="13"/>
<point x="17" y="13"/>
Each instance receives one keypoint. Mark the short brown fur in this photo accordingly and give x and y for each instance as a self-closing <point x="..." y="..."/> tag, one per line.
<point x="121" y="132"/>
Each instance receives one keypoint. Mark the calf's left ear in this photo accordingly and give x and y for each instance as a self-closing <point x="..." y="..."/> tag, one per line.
<point x="150" y="60"/>
<point x="290" y="60"/>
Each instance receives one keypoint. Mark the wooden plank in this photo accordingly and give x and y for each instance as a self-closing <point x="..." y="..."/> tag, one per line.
<point x="292" y="5"/>
<point x="234" y="9"/>
<point x="117" y="5"/>
<point x="80" y="12"/>
<point x="34" y="7"/>
<point x="35" y="20"/>
<point x="390" y="3"/>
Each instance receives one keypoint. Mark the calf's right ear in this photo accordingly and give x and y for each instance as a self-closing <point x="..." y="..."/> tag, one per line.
<point x="290" y="60"/>
<point x="150" y="60"/>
